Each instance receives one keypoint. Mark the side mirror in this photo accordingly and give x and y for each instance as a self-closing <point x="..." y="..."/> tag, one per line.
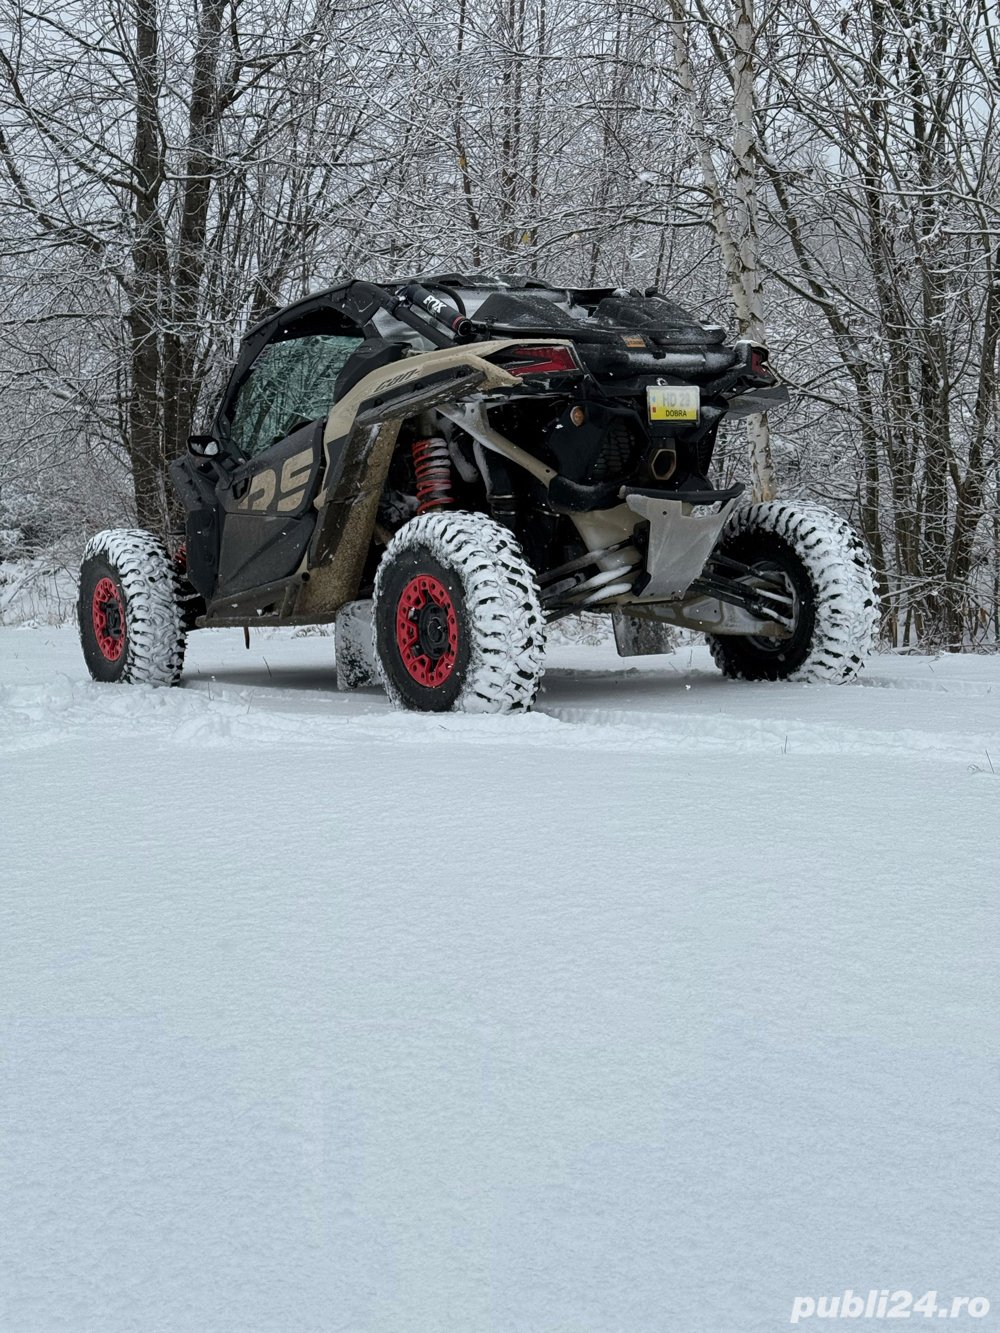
<point x="203" y="446"/>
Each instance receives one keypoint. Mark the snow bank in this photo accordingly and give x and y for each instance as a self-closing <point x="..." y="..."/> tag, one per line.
<point x="37" y="591"/>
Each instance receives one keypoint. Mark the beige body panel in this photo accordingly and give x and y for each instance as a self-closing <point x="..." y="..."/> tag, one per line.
<point x="348" y="507"/>
<point x="411" y="369"/>
<point x="278" y="491"/>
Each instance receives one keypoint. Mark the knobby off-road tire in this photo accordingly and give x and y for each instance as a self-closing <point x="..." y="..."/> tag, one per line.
<point x="129" y="609"/>
<point x="825" y="565"/>
<point x="457" y="621"/>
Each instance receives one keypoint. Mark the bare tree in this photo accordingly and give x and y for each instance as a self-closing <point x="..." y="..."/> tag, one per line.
<point x="171" y="168"/>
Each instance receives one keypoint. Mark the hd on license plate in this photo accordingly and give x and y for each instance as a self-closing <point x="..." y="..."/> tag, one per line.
<point x="673" y="402"/>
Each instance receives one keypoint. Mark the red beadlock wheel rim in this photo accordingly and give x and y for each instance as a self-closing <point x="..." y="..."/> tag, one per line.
<point x="427" y="631"/>
<point x="108" y="611"/>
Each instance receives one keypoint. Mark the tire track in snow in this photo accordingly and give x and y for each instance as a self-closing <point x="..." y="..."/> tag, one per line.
<point x="65" y="709"/>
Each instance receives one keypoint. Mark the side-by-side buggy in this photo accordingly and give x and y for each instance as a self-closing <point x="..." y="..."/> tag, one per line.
<point x="451" y="463"/>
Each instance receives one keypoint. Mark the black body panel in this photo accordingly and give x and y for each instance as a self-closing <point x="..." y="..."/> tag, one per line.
<point x="601" y="446"/>
<point x="371" y="355"/>
<point x="196" y="482"/>
<point x="525" y="310"/>
<point x="267" y="513"/>
<point x="258" y="551"/>
<point x="659" y="316"/>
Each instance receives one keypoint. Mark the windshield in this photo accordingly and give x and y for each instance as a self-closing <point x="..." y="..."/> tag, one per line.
<point x="291" y="383"/>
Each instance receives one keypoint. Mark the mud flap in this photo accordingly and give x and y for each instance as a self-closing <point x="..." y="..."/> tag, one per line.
<point x="639" y="636"/>
<point x="353" y="647"/>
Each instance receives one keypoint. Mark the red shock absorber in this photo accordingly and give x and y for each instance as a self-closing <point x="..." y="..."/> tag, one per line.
<point x="432" y="464"/>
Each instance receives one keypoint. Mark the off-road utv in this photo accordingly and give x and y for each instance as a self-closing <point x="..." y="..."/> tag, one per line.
<point x="452" y="462"/>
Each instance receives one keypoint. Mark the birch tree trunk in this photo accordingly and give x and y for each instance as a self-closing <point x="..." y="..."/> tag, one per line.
<point x="765" y="482"/>
<point x="739" y="247"/>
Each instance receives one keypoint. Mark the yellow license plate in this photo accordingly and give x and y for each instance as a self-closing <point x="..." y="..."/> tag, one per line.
<point x="673" y="402"/>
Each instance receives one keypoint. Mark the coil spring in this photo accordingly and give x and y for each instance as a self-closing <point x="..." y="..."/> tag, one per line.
<point x="432" y="464"/>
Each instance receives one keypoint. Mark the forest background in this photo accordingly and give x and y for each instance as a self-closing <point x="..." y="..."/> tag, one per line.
<point x="824" y="175"/>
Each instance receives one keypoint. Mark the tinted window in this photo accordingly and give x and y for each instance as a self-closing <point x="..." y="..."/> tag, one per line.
<point x="290" y="384"/>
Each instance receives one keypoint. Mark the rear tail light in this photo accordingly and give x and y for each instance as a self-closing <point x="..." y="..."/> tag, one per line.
<point x="538" y="360"/>
<point x="758" y="361"/>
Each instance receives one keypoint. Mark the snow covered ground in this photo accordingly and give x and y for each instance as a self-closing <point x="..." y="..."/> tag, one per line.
<point x="645" y="1013"/>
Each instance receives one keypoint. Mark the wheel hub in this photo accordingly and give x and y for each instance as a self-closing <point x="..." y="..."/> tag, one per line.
<point x="427" y="631"/>
<point x="770" y="574"/>
<point x="432" y="630"/>
<point x="108" y="612"/>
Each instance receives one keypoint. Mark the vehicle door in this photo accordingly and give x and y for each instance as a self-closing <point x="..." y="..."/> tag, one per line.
<point x="273" y="431"/>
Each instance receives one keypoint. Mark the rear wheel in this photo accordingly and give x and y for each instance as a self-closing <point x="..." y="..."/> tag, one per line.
<point x="822" y="565"/>
<point x="129" y="609"/>
<point x="457" y="622"/>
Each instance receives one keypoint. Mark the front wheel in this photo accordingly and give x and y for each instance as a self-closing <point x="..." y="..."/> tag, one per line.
<point x="823" y="566"/>
<point x="129" y="609"/>
<point x="456" y="621"/>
